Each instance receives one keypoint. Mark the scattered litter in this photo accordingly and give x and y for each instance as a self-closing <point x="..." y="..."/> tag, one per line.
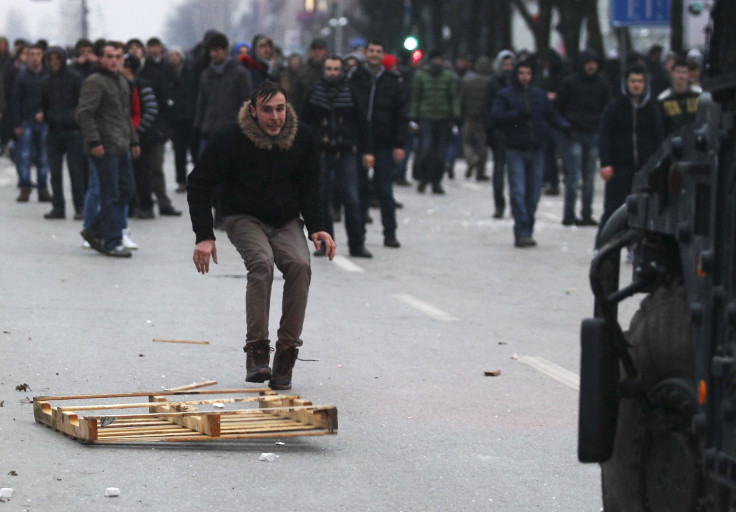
<point x="23" y="387"/>
<point x="107" y="420"/>
<point x="26" y="400"/>
<point x="149" y="322"/>
<point x="218" y="405"/>
<point x="503" y="343"/>
<point x="2" y="403"/>
<point x="6" y="492"/>
<point x="514" y="356"/>
<point x="13" y="473"/>
<point x="267" y="457"/>
<point x="492" y="373"/>
<point x="112" y="492"/>
<point x="141" y="355"/>
<point x="181" y="341"/>
<point x="280" y="443"/>
<point x="571" y="290"/>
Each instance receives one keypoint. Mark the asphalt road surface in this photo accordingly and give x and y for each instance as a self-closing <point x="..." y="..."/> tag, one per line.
<point x="399" y="344"/>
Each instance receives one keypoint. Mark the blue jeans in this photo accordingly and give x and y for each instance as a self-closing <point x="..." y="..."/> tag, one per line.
<point x="579" y="158"/>
<point x="66" y="141"/>
<point x="525" y="169"/>
<point x="117" y="186"/>
<point x="30" y="146"/>
<point x="340" y="174"/>
<point x="434" y="137"/>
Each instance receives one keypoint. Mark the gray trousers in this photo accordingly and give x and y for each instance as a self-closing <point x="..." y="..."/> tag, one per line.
<point x="261" y="246"/>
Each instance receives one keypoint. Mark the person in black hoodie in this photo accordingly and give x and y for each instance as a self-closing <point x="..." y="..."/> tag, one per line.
<point x="505" y="63"/>
<point x="269" y="175"/>
<point x="59" y="98"/>
<point x="580" y="99"/>
<point x="339" y="127"/>
<point x="631" y="129"/>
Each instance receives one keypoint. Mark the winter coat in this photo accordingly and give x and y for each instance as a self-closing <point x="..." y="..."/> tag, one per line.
<point x="338" y="123"/>
<point x="25" y="102"/>
<point x="148" y="127"/>
<point x="60" y="94"/>
<point x="183" y="99"/>
<point x="524" y="115"/>
<point x="581" y="99"/>
<point x="499" y="80"/>
<point x="221" y="94"/>
<point x="271" y="178"/>
<point x="103" y="113"/>
<point x="629" y="134"/>
<point x="383" y="99"/>
<point x="678" y="109"/>
<point x="473" y="89"/>
<point x="434" y="95"/>
<point x="309" y="76"/>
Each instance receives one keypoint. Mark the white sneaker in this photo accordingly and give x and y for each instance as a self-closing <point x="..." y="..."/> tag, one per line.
<point x="127" y="242"/>
<point x="85" y="245"/>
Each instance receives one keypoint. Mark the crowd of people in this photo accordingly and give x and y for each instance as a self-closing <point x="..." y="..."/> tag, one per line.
<point x="540" y="116"/>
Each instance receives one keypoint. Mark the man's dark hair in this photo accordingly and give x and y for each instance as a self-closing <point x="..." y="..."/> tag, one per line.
<point x="36" y="46"/>
<point x="43" y="44"/>
<point x="82" y="43"/>
<point x="334" y="56"/>
<point x="525" y="64"/>
<point x="265" y="92"/>
<point x="318" y="44"/>
<point x="154" y="41"/>
<point x="375" y="42"/>
<point x="118" y="45"/>
<point x="99" y="46"/>
<point x="133" y="41"/>
<point x="635" y="69"/>
<point x="680" y="62"/>
<point x="217" y="40"/>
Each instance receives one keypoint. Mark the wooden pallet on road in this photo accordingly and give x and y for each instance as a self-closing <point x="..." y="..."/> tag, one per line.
<point x="252" y="413"/>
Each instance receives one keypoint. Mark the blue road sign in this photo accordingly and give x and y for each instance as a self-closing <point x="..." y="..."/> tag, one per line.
<point x="647" y="13"/>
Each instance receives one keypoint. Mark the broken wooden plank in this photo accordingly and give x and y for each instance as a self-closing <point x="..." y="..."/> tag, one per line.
<point x="191" y="342"/>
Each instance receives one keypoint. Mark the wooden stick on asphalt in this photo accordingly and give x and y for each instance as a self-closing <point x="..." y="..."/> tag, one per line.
<point x="194" y="385"/>
<point x="182" y="341"/>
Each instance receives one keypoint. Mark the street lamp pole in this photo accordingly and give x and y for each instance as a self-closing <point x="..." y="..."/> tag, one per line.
<point x="85" y="27"/>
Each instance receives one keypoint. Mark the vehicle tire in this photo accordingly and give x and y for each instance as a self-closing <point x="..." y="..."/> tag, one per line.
<point x="651" y="433"/>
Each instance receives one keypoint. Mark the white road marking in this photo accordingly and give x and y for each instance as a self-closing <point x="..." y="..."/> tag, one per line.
<point x="558" y="373"/>
<point x="425" y="308"/>
<point x="473" y="186"/>
<point x="346" y="264"/>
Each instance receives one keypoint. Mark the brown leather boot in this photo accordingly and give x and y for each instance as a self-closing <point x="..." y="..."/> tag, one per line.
<point x="283" y="363"/>
<point x="258" y="355"/>
<point x="25" y="195"/>
<point x="44" y="196"/>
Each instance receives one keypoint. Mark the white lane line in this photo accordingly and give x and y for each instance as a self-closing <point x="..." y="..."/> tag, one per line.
<point x="558" y="373"/>
<point x="425" y="308"/>
<point x="473" y="186"/>
<point x="346" y="264"/>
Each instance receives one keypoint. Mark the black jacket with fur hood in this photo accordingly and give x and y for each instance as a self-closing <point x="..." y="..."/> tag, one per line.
<point x="271" y="178"/>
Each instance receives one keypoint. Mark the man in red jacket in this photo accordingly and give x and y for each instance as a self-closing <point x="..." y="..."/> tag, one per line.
<point x="269" y="175"/>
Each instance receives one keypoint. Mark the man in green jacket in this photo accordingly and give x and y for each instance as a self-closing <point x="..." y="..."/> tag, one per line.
<point x="110" y="140"/>
<point x="435" y="107"/>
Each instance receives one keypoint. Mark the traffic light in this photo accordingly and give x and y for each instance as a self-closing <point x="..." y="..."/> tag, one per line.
<point x="695" y="8"/>
<point x="416" y="56"/>
<point x="411" y="43"/>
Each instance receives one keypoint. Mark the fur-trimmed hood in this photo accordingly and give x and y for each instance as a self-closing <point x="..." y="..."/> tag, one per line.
<point x="261" y="139"/>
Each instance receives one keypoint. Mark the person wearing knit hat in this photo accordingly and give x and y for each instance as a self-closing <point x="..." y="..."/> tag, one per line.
<point x="240" y="49"/>
<point x="390" y="62"/>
